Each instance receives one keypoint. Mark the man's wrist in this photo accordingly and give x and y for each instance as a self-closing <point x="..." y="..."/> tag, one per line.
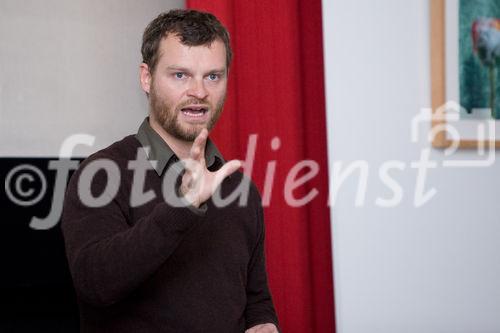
<point x="191" y="200"/>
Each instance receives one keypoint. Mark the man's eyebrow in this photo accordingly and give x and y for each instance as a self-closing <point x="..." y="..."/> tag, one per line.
<point x="178" y="68"/>
<point x="184" y="69"/>
<point x="218" y="71"/>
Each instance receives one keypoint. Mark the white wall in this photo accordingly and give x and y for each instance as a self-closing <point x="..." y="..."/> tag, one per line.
<point x="430" y="269"/>
<point x="70" y="67"/>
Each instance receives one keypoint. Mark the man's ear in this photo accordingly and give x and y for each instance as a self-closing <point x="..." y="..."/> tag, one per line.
<point x="145" y="77"/>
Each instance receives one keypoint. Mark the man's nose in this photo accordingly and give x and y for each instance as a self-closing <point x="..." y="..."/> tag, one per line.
<point x="197" y="89"/>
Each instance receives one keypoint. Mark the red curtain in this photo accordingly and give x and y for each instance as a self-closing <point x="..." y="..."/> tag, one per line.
<point x="276" y="89"/>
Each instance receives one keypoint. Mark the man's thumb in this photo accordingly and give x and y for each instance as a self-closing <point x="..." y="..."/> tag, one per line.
<point x="226" y="170"/>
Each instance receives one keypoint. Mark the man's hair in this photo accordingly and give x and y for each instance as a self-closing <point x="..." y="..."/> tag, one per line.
<point x="194" y="28"/>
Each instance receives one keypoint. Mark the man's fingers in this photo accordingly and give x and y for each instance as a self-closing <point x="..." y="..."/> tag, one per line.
<point x="226" y="170"/>
<point x="194" y="168"/>
<point x="204" y="136"/>
<point x="229" y="168"/>
<point x="195" y="153"/>
<point x="263" y="328"/>
<point x="198" y="148"/>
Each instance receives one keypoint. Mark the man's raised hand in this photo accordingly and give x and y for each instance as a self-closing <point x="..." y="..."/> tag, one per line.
<point x="263" y="328"/>
<point x="198" y="183"/>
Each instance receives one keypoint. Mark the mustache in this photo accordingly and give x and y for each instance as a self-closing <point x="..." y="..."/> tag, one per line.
<point x="194" y="101"/>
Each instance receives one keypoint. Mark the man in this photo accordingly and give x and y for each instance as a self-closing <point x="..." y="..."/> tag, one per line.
<point x="142" y="261"/>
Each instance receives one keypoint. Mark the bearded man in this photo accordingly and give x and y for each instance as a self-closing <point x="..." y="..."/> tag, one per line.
<point x="148" y="248"/>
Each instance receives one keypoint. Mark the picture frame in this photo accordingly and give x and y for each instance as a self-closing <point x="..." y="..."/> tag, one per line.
<point x="445" y="81"/>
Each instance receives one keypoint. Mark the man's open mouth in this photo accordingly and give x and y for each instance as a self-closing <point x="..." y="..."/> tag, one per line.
<point x="194" y="111"/>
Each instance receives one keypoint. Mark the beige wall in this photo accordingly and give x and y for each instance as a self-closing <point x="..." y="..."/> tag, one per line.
<point x="70" y="67"/>
<point x="432" y="269"/>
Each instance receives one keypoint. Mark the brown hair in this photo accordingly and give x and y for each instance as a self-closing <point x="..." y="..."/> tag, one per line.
<point x="194" y="28"/>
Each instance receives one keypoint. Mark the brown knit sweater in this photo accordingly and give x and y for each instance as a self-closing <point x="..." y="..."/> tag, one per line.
<point x="156" y="268"/>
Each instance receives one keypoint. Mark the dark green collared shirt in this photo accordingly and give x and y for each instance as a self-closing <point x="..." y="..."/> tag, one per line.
<point x="161" y="155"/>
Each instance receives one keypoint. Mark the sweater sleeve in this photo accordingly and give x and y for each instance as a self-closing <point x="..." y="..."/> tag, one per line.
<point x="108" y="258"/>
<point x="259" y="308"/>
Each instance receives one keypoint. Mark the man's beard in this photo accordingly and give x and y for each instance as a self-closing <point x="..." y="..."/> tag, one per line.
<point x="167" y="115"/>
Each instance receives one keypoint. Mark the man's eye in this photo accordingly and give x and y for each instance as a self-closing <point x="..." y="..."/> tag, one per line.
<point x="213" y="77"/>
<point x="179" y="75"/>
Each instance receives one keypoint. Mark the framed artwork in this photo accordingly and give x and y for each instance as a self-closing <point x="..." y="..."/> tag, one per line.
<point x="465" y="73"/>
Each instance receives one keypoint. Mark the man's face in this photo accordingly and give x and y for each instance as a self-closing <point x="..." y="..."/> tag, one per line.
<point x="188" y="87"/>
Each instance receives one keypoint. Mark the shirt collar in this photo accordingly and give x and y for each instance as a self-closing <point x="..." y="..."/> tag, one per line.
<point x="159" y="152"/>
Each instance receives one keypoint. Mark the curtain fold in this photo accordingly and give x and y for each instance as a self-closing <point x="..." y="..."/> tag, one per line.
<point x="276" y="91"/>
